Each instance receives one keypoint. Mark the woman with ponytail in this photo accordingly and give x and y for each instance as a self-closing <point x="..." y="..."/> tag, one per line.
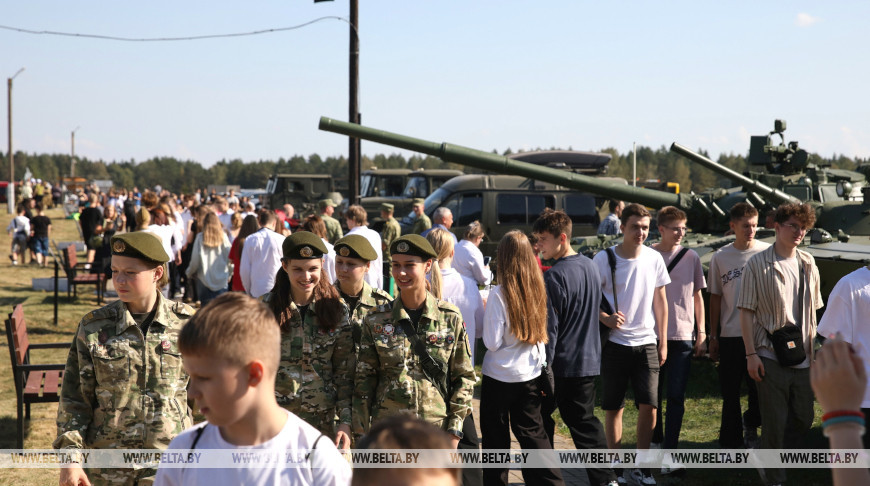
<point x="515" y="332"/>
<point x="390" y="375"/>
<point x="315" y="375"/>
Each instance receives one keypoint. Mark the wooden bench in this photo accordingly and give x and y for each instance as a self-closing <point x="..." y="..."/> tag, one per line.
<point x="34" y="383"/>
<point x="77" y="275"/>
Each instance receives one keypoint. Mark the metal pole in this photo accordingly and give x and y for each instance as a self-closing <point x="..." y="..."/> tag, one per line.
<point x="634" y="164"/>
<point x="353" y="159"/>
<point x="72" y="165"/>
<point x="10" y="189"/>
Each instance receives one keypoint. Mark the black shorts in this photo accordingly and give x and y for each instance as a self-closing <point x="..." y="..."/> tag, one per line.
<point x="619" y="364"/>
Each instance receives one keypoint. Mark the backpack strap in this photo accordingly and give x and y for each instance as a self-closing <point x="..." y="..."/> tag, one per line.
<point x="197" y="435"/>
<point x="677" y="259"/>
<point x="314" y="446"/>
<point x="433" y="369"/>
<point x="611" y="259"/>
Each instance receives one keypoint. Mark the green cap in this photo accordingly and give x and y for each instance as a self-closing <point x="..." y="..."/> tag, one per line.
<point x="414" y="245"/>
<point x="303" y="245"/>
<point x="141" y="245"/>
<point x="355" y="246"/>
<point x="387" y="207"/>
<point x="419" y="201"/>
<point x="326" y="202"/>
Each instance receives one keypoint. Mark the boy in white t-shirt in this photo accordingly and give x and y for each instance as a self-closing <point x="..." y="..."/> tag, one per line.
<point x="631" y="352"/>
<point x="726" y="338"/>
<point x="231" y="350"/>
<point x="686" y="333"/>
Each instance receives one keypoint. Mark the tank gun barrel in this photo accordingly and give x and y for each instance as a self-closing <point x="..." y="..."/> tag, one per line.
<point x="749" y="185"/>
<point x="503" y="165"/>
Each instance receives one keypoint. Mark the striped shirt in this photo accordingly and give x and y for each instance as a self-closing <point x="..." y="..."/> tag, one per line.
<point x="762" y="290"/>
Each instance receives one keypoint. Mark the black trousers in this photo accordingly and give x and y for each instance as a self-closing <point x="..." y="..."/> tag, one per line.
<point x="514" y="406"/>
<point x="471" y="476"/>
<point x="575" y="398"/>
<point x="732" y="374"/>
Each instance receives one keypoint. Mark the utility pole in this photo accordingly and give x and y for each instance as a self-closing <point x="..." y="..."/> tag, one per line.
<point x="354" y="158"/>
<point x="10" y="189"/>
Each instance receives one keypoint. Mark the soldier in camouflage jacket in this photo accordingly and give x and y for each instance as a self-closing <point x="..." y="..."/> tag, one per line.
<point x="315" y="374"/>
<point x="124" y="386"/>
<point x="353" y="259"/>
<point x="389" y="376"/>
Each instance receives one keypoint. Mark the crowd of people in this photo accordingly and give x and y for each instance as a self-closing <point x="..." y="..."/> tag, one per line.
<point x="303" y="335"/>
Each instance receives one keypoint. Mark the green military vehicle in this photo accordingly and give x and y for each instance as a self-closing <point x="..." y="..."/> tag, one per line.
<point x="504" y="202"/>
<point x="302" y="191"/>
<point x="419" y="184"/>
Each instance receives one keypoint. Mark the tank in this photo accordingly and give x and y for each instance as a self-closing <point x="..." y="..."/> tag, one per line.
<point x="787" y="175"/>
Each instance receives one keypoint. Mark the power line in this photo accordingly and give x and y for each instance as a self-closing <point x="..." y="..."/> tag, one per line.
<point x="170" y="39"/>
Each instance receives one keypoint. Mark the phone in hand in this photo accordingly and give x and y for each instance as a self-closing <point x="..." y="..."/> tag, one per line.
<point x="486" y="260"/>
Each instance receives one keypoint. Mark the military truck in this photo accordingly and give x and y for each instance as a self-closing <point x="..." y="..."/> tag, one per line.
<point x="303" y="191"/>
<point x="504" y="202"/>
<point x="420" y="184"/>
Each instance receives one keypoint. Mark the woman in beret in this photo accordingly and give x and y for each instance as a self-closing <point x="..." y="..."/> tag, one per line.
<point x="391" y="377"/>
<point x="124" y="386"/>
<point x="353" y="259"/>
<point x="315" y="375"/>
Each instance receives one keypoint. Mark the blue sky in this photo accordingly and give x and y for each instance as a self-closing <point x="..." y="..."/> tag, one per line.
<point x="486" y="74"/>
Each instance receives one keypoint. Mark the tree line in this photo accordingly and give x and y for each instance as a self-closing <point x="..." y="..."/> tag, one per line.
<point x="184" y="176"/>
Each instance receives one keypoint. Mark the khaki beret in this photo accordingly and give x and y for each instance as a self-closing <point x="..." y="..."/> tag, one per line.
<point x="141" y="245"/>
<point x="414" y="245"/>
<point x="303" y="245"/>
<point x="419" y="201"/>
<point x="387" y="207"/>
<point x="355" y="246"/>
<point x="326" y="202"/>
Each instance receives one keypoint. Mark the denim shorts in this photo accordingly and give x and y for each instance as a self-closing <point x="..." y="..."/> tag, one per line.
<point x="619" y="364"/>
<point x="40" y="245"/>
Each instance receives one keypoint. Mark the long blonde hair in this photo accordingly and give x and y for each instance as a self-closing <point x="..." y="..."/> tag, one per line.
<point x="522" y="288"/>
<point x="212" y="231"/>
<point x="442" y="243"/>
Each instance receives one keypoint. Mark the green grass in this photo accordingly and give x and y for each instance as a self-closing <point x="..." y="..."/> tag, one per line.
<point x="700" y="424"/>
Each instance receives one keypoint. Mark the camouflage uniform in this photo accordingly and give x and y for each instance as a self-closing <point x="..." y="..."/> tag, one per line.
<point x="391" y="231"/>
<point x="315" y="375"/>
<point x="122" y="390"/>
<point x="333" y="228"/>
<point x="369" y="298"/>
<point x="389" y="378"/>
<point x="421" y="224"/>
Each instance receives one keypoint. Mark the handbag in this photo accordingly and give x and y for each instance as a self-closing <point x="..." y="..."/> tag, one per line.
<point x="546" y="381"/>
<point x="788" y="341"/>
<point x="788" y="344"/>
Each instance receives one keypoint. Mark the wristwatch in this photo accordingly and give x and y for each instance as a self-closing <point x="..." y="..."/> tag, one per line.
<point x="457" y="433"/>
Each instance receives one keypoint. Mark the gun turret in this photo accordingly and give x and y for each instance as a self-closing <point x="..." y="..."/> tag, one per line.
<point x="503" y="165"/>
<point x="752" y="187"/>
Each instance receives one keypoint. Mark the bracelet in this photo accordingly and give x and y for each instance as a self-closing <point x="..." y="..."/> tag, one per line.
<point x="843" y="413"/>
<point x="838" y="422"/>
<point x="751" y="354"/>
<point x="843" y="419"/>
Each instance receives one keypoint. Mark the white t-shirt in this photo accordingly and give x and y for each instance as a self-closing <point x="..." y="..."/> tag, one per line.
<point x="375" y="275"/>
<point x="327" y="466"/>
<point x="687" y="277"/>
<point x="507" y="360"/>
<point x="723" y="278"/>
<point x="329" y="261"/>
<point x="462" y="292"/>
<point x="848" y="307"/>
<point x="636" y="282"/>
